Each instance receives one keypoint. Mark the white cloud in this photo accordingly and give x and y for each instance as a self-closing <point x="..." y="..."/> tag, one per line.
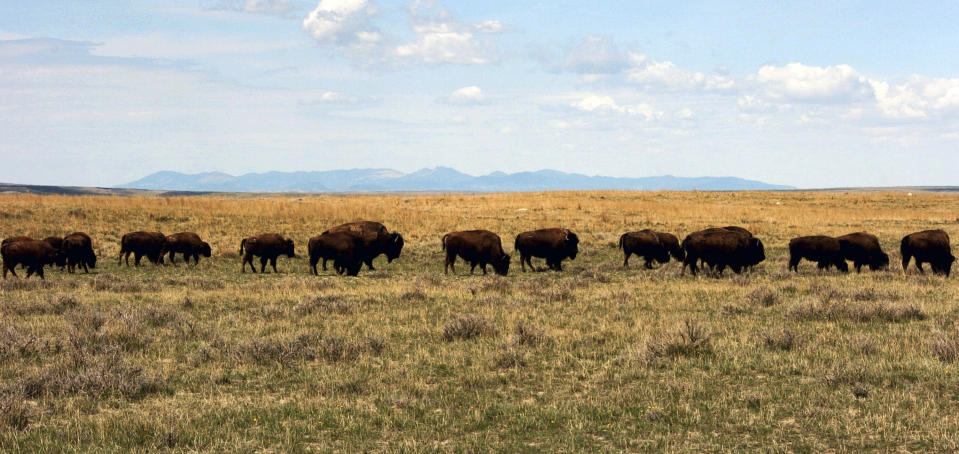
<point x="646" y="71"/>
<point x="345" y="23"/>
<point x="802" y="83"/>
<point x="917" y="97"/>
<point x="606" y="104"/>
<point x="489" y="26"/>
<point x="685" y="113"/>
<point x="437" y="43"/>
<point x="471" y="95"/>
<point x="753" y="104"/>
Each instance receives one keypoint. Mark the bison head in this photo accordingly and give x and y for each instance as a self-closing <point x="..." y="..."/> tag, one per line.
<point x="757" y="253"/>
<point x="91" y="259"/>
<point x="205" y="249"/>
<point x="288" y="249"/>
<point x="572" y="245"/>
<point x="395" y="247"/>
<point x="501" y="265"/>
<point x="880" y="261"/>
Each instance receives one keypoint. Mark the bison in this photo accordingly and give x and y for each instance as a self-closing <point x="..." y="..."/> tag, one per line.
<point x="78" y="250"/>
<point x="32" y="254"/>
<point x="929" y="246"/>
<point x="189" y="244"/>
<point x="650" y="245"/>
<point x="375" y="239"/>
<point x="340" y="247"/>
<point x="824" y="250"/>
<point x="863" y="249"/>
<point x="268" y="246"/>
<point x="54" y="241"/>
<point x="721" y="247"/>
<point x="554" y="245"/>
<point x="478" y="247"/>
<point x="149" y="244"/>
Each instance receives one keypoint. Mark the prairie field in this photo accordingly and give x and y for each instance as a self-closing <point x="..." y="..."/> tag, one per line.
<point x="595" y="358"/>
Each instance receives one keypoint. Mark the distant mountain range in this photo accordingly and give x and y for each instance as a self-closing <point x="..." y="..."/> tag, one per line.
<point x="436" y="179"/>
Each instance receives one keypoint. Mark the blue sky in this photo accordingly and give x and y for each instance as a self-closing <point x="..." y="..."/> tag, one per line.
<point x="812" y="94"/>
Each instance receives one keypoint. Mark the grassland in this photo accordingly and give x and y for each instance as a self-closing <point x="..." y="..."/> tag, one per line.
<point x="595" y="358"/>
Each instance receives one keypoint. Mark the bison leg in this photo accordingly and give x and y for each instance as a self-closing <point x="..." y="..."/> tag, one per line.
<point x="11" y="269"/>
<point x="649" y="263"/>
<point x="324" y="263"/>
<point x="559" y="265"/>
<point x="450" y="262"/>
<point x="136" y="258"/>
<point x="263" y="261"/>
<point x="173" y="258"/>
<point x="369" y="264"/>
<point x="472" y="267"/>
<point x="273" y="264"/>
<point x="40" y="272"/>
<point x="905" y="262"/>
<point x="794" y="263"/>
<point x="30" y="271"/>
<point x="522" y="262"/>
<point x="626" y="259"/>
<point x="919" y="266"/>
<point x="483" y="267"/>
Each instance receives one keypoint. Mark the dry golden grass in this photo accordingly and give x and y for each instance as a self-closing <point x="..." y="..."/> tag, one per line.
<point x="594" y="358"/>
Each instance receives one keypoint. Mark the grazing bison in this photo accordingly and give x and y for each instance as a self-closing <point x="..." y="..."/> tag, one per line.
<point x="650" y="245"/>
<point x="929" y="246"/>
<point x="721" y="247"/>
<point x="189" y="244"/>
<point x="478" y="247"/>
<point x="824" y="250"/>
<point x="340" y="247"/>
<point x="78" y="250"/>
<point x="554" y="245"/>
<point x="268" y="246"/>
<point x="149" y="244"/>
<point x="863" y="249"/>
<point x="375" y="239"/>
<point x="32" y="254"/>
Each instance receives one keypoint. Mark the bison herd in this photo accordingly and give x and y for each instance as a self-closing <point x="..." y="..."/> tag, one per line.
<point x="350" y="246"/>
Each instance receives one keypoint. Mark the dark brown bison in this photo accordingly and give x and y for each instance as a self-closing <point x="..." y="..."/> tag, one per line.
<point x="189" y="244"/>
<point x="57" y="243"/>
<point x="650" y="245"/>
<point x="340" y="247"/>
<point x="721" y="247"/>
<point x="478" y="247"/>
<point x="149" y="244"/>
<point x="824" y="250"/>
<point x="863" y="249"/>
<point x="554" y="245"/>
<point x="268" y="246"/>
<point x="78" y="250"/>
<point x="375" y="239"/>
<point x="32" y="254"/>
<point x="929" y="246"/>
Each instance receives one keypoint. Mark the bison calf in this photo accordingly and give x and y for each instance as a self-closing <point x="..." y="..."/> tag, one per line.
<point x="340" y="247"/>
<point x="478" y="247"/>
<point x="149" y="244"/>
<point x="863" y="249"/>
<point x="78" y="249"/>
<point x="554" y="245"/>
<point x="32" y="254"/>
<point x="929" y="246"/>
<point x="824" y="250"/>
<point x="190" y="245"/>
<point x="268" y="246"/>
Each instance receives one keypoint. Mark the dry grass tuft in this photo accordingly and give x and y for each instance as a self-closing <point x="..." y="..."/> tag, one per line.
<point x="692" y="339"/>
<point x="15" y="413"/>
<point x="780" y="340"/>
<point x="764" y="296"/>
<point x="467" y="327"/>
<point x="529" y="335"/>
<point x="327" y="304"/>
<point x="945" y="345"/>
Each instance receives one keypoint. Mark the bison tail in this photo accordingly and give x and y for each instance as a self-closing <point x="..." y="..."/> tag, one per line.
<point x="242" y="245"/>
<point x="444" y="241"/>
<point x="622" y="240"/>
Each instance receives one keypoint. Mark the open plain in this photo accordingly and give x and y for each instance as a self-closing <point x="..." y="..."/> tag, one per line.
<point x="594" y="358"/>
